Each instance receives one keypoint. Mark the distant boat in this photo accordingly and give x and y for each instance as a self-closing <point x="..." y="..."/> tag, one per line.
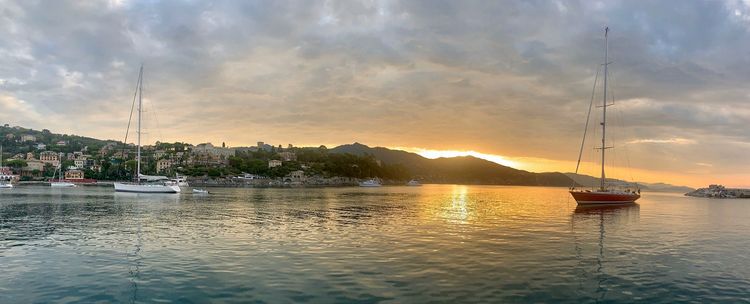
<point x="200" y="191"/>
<point x="370" y="183"/>
<point x="181" y="181"/>
<point x="59" y="182"/>
<point x="4" y="184"/>
<point x="603" y="195"/>
<point x="145" y="183"/>
<point x="414" y="183"/>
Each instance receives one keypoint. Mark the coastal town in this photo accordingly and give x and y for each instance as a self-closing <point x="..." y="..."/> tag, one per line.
<point x="33" y="157"/>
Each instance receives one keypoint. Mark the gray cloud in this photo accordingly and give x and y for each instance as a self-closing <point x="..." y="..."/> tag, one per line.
<point x="510" y="78"/>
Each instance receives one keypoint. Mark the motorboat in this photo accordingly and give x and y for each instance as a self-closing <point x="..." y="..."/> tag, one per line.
<point x="414" y="183"/>
<point x="181" y="181"/>
<point x="370" y="183"/>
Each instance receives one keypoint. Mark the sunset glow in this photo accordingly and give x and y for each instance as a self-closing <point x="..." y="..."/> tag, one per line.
<point x="432" y="154"/>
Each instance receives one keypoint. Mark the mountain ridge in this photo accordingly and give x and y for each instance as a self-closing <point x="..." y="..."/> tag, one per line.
<point x="461" y="170"/>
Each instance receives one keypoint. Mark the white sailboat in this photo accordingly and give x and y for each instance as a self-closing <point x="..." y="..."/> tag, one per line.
<point x="145" y="183"/>
<point x="60" y="183"/>
<point x="5" y="182"/>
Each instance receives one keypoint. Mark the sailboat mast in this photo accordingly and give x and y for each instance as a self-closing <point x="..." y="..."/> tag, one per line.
<point x="604" y="105"/>
<point x="140" y="106"/>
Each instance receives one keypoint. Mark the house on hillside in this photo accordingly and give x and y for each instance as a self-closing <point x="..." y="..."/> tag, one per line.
<point x="50" y="157"/>
<point x="163" y="164"/>
<point x="288" y="156"/>
<point x="274" y="163"/>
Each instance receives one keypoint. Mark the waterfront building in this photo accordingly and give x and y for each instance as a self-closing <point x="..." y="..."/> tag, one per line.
<point x="6" y="175"/>
<point x="73" y="174"/>
<point x="297" y="176"/>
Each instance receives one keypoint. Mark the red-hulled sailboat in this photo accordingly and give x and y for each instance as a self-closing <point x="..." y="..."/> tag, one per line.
<point x="603" y="195"/>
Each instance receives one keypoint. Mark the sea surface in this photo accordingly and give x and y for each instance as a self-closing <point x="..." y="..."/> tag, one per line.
<point x="431" y="244"/>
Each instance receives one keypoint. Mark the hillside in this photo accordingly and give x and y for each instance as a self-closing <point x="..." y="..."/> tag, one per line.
<point x="586" y="180"/>
<point x="460" y="170"/>
<point x="12" y="140"/>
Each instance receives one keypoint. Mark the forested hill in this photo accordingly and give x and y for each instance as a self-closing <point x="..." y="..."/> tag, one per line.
<point x="12" y="142"/>
<point x="458" y="170"/>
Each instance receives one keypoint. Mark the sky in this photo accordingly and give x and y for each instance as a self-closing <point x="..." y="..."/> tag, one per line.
<point x="510" y="80"/>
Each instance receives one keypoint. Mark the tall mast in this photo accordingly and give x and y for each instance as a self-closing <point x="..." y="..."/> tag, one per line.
<point x="140" y="106"/>
<point x="604" y="105"/>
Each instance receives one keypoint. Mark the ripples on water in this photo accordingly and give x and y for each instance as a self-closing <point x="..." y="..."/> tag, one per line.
<point x="437" y="243"/>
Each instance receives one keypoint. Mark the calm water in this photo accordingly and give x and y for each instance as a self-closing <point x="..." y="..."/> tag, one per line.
<point x="437" y="243"/>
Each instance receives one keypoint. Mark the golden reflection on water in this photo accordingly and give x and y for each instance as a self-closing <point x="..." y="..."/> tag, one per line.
<point x="457" y="211"/>
<point x="492" y="205"/>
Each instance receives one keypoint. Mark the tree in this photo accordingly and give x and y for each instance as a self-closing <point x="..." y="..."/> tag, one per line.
<point x="16" y="163"/>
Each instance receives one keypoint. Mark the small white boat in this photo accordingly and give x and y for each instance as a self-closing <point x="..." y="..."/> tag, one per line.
<point x="6" y="185"/>
<point x="200" y="191"/>
<point x="414" y="183"/>
<point x="61" y="184"/>
<point x="370" y="183"/>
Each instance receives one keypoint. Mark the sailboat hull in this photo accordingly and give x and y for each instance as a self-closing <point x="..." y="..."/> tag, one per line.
<point x="146" y="188"/>
<point x="604" y="197"/>
<point x="61" y="185"/>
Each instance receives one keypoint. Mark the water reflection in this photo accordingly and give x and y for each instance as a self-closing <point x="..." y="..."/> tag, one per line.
<point x="590" y="225"/>
<point x="458" y="211"/>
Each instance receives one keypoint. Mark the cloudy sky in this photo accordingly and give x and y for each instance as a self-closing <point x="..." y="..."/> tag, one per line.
<point x="507" y="79"/>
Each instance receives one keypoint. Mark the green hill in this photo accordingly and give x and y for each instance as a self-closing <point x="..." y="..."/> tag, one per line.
<point x="12" y="141"/>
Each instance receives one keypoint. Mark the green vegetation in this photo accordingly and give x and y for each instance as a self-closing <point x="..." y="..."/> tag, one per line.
<point x="315" y="162"/>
